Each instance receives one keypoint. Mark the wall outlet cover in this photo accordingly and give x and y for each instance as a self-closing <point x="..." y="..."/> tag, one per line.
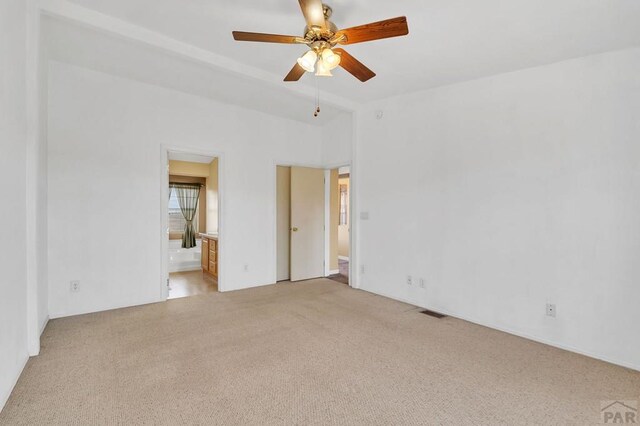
<point x="551" y="310"/>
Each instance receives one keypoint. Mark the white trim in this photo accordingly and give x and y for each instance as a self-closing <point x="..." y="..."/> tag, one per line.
<point x="511" y="331"/>
<point x="164" y="223"/>
<point x="333" y="166"/>
<point x="343" y="258"/>
<point x="164" y="213"/>
<point x="327" y="222"/>
<point x="354" y="223"/>
<point x="93" y="310"/>
<point x="334" y="271"/>
<point x="274" y="210"/>
<point x="33" y="150"/>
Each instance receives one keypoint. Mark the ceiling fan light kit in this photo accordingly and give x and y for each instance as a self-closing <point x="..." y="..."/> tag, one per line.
<point x="323" y="70"/>
<point x="322" y="55"/>
<point x="321" y="36"/>
<point x="330" y="58"/>
<point x="308" y="61"/>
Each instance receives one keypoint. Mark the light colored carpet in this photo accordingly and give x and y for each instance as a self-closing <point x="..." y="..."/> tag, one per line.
<point x="316" y="352"/>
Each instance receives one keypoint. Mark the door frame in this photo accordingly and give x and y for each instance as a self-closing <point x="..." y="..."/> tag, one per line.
<point x="274" y="210"/>
<point x="327" y="207"/>
<point x="164" y="212"/>
<point x="327" y="220"/>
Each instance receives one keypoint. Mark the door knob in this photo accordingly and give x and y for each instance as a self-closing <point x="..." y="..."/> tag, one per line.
<point x="294" y="229"/>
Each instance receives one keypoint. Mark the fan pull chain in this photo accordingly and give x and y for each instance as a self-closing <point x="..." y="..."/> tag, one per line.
<point x="317" y="110"/>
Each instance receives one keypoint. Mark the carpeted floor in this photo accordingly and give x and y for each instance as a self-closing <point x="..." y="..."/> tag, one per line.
<point x="316" y="352"/>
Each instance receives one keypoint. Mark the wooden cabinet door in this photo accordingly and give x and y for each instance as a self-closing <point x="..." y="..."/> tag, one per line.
<point x="204" y="261"/>
<point x="213" y="257"/>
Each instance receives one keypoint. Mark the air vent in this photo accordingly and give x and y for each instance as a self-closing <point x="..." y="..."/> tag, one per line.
<point x="433" y="314"/>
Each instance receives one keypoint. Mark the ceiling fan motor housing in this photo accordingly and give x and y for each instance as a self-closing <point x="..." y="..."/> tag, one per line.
<point x="312" y="34"/>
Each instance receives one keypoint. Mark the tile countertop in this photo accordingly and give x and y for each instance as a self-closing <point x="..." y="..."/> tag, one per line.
<point x="209" y="236"/>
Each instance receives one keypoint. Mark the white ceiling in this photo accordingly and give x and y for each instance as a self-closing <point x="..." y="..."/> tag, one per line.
<point x="449" y="40"/>
<point x="69" y="42"/>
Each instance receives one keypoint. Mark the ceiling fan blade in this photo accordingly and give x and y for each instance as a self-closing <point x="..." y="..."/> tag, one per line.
<point x="374" y="31"/>
<point x="355" y="67"/>
<point x="296" y="72"/>
<point x="265" y="38"/>
<point x="313" y="13"/>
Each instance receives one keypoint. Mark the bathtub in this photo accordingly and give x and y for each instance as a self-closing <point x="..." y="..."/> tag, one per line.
<point x="181" y="259"/>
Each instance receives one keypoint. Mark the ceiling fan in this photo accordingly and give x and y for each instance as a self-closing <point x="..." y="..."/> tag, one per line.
<point x="321" y="35"/>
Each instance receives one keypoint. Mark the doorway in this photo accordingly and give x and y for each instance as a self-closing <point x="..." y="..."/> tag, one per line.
<point x="313" y="230"/>
<point x="339" y="226"/>
<point x="192" y="221"/>
<point x="300" y="234"/>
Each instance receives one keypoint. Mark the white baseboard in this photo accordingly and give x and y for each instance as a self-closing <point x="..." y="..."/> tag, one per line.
<point x="343" y="258"/>
<point x="334" y="271"/>
<point x="513" y="332"/>
<point x="92" y="310"/>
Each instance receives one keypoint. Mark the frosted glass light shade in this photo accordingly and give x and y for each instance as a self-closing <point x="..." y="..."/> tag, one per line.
<point x="330" y="59"/>
<point x="308" y="61"/>
<point x="323" y="70"/>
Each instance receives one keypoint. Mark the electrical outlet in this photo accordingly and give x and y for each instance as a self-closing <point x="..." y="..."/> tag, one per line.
<point x="362" y="269"/>
<point x="551" y="310"/>
<point x="74" y="286"/>
<point x="423" y="283"/>
<point x="246" y="267"/>
<point x="409" y="280"/>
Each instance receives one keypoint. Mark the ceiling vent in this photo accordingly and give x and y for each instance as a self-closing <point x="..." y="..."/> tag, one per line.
<point x="433" y="314"/>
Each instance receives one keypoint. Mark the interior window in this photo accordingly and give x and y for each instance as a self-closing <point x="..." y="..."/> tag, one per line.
<point x="176" y="218"/>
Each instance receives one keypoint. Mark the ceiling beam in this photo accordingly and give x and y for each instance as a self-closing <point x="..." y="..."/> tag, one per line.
<point x="65" y="10"/>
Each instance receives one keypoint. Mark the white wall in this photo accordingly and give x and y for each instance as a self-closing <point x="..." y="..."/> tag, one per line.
<point x="13" y="121"/>
<point x="36" y="183"/>
<point x="337" y="137"/>
<point x="105" y="136"/>
<point x="510" y="192"/>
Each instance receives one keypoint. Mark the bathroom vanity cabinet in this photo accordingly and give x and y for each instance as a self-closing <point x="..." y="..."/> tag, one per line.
<point x="209" y="260"/>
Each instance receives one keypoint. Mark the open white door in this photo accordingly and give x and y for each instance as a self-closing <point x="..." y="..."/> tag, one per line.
<point x="307" y="223"/>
